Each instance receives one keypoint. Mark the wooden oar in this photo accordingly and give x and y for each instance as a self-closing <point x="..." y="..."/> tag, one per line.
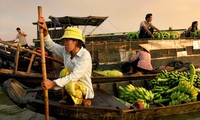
<point x="44" y="74"/>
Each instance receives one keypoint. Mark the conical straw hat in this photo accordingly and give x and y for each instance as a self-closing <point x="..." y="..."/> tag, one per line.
<point x="145" y="46"/>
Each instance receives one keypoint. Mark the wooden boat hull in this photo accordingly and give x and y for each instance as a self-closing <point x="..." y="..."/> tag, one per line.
<point x="83" y="113"/>
<point x="30" y="98"/>
<point x="104" y="105"/>
<point x="153" y="113"/>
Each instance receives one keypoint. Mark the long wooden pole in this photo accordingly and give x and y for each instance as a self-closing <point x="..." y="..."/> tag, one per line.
<point x="44" y="75"/>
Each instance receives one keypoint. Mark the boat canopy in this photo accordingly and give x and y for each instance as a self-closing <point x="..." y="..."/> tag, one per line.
<point x="75" y="21"/>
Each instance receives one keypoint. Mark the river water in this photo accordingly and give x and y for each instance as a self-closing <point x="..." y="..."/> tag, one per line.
<point x="9" y="111"/>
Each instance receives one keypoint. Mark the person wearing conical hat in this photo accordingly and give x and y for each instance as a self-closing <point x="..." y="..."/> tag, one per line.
<point x="141" y="62"/>
<point x="75" y="57"/>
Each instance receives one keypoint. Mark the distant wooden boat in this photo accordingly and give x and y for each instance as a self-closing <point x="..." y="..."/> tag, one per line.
<point x="24" y="77"/>
<point x="25" y="57"/>
<point x="104" y="105"/>
<point x="35" y="78"/>
<point x="27" y="77"/>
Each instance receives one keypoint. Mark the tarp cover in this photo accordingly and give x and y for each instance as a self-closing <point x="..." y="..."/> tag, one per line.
<point x="76" y="21"/>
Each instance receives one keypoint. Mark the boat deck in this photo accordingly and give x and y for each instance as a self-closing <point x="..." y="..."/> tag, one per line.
<point x="105" y="100"/>
<point x="101" y="99"/>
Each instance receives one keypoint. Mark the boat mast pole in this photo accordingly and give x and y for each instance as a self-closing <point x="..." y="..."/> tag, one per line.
<point x="44" y="75"/>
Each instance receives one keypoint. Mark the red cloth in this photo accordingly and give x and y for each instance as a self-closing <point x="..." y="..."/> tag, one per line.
<point x="39" y="51"/>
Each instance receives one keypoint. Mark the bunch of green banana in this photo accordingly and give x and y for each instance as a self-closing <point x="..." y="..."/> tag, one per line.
<point x="178" y="98"/>
<point x="187" y="87"/>
<point x="197" y="80"/>
<point x="174" y="102"/>
<point x="125" y="93"/>
<point x="165" y="78"/>
<point x="158" y="91"/>
<point x="153" y="83"/>
<point x="142" y="93"/>
<point x="133" y="94"/>
<point x="175" y="95"/>
<point x="171" y="79"/>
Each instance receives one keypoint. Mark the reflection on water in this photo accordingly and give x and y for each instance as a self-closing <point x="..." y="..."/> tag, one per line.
<point x="9" y="111"/>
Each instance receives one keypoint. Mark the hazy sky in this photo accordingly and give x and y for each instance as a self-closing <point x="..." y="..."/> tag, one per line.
<point x="124" y="15"/>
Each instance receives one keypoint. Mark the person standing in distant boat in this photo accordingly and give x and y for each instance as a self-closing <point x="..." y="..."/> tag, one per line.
<point x="147" y="28"/>
<point x="191" y="29"/>
<point x="22" y="38"/>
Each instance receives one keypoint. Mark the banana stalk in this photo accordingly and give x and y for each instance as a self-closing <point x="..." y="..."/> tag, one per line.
<point x="161" y="101"/>
<point x="192" y="73"/>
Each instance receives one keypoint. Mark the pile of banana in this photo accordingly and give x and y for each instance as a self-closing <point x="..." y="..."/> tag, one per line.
<point x="168" y="88"/>
<point x="132" y="35"/>
<point x="171" y="79"/>
<point x="133" y="94"/>
<point x="165" y="35"/>
<point x="184" y="92"/>
<point x="187" y="87"/>
<point x="181" y="90"/>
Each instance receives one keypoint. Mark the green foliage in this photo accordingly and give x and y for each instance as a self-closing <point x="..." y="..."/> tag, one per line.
<point x="196" y="33"/>
<point x="164" y="35"/>
<point x="132" y="35"/>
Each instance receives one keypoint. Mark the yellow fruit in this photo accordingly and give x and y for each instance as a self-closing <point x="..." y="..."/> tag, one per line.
<point x="110" y="73"/>
<point x="77" y="90"/>
<point x="114" y="73"/>
<point x="64" y="72"/>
